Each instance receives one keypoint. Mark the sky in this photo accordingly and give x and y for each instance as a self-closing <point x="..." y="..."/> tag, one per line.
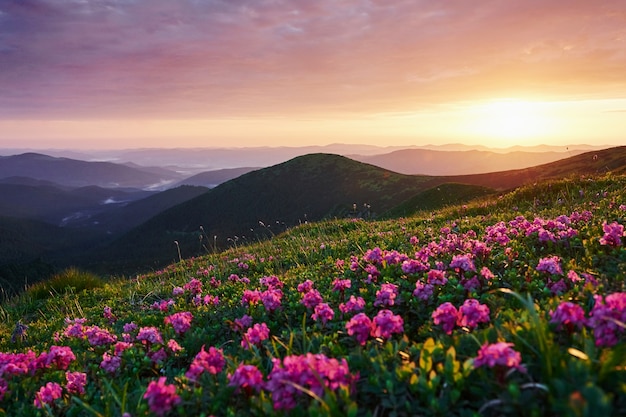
<point x="102" y="74"/>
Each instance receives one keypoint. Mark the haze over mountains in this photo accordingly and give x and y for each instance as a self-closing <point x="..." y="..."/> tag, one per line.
<point x="119" y="218"/>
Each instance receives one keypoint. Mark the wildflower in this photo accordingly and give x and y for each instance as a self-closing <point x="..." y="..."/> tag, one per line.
<point x="387" y="294"/>
<point x="471" y="313"/>
<point x="437" y="277"/>
<point x="323" y="312"/>
<point x="413" y="266"/>
<point x="176" y="291"/>
<point x="359" y="326"/>
<point x="76" y="382"/>
<point x="161" y="397"/>
<point x="47" y="394"/>
<point x="247" y="378"/>
<point x="486" y="273"/>
<point x="194" y="286"/>
<point x="306" y="286"/>
<point x="386" y="323"/>
<point x="558" y="287"/>
<point x="271" y="282"/>
<point x="354" y="304"/>
<point x="4" y="388"/>
<point x="99" y="337"/>
<point x="60" y="356"/>
<point x="568" y="315"/>
<point x="471" y="284"/>
<point x="311" y="299"/>
<point x="341" y="284"/>
<point x="312" y="372"/>
<point x="423" y="291"/>
<point x="212" y="362"/>
<point x="174" y="346"/>
<point x="255" y="335"/>
<point x="110" y="363"/>
<point x="446" y="315"/>
<point x="605" y="319"/>
<point x="130" y="327"/>
<point x="374" y="256"/>
<point x="242" y="323"/>
<point x="149" y="335"/>
<point x="180" y="321"/>
<point x="573" y="276"/>
<point x="162" y="305"/>
<point x="551" y="265"/>
<point x="463" y="263"/>
<point x="158" y="357"/>
<point x="108" y="314"/>
<point x="498" y="355"/>
<point x="250" y="297"/>
<point x="612" y="234"/>
<point x="414" y="240"/>
<point x="271" y="298"/>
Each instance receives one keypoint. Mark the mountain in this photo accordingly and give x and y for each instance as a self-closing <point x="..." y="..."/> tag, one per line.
<point x="77" y="173"/>
<point x="432" y="162"/>
<point x="214" y="178"/>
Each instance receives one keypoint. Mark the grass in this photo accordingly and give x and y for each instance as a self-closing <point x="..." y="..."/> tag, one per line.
<point x="420" y="369"/>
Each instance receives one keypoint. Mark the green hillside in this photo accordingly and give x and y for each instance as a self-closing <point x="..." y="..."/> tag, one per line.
<point x="507" y="306"/>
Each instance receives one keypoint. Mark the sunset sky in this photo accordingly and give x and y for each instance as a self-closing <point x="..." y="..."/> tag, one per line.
<point x="204" y="73"/>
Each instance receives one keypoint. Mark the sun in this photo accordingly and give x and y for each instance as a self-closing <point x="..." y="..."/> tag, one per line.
<point x="508" y="122"/>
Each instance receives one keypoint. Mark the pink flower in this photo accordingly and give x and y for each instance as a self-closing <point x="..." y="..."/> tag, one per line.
<point x="271" y="282"/>
<point x="212" y="362"/>
<point x="341" y="284"/>
<point x="120" y="347"/>
<point x="271" y="298"/>
<point x="242" y="323"/>
<point x="250" y="297"/>
<point x="110" y="363"/>
<point x="323" y="312"/>
<point x="180" y="321"/>
<point x="176" y="291"/>
<point x="47" y="394"/>
<point x="194" y="286"/>
<point x="446" y="315"/>
<point x="108" y="314"/>
<point x="386" y="323"/>
<point x="76" y="382"/>
<point x="359" y="326"/>
<point x="173" y="346"/>
<point x="149" y="335"/>
<point x="471" y="313"/>
<point x="462" y="262"/>
<point x="486" y="273"/>
<point x="99" y="337"/>
<point x="387" y="294"/>
<point x="311" y="299"/>
<point x="423" y="291"/>
<point x="568" y="315"/>
<point x="612" y="234"/>
<point x="247" y="378"/>
<point x="161" y="397"/>
<point x="353" y="305"/>
<point x="437" y="277"/>
<point x="551" y="265"/>
<point x="413" y="266"/>
<point x="61" y="356"/>
<point x="605" y="316"/>
<point x="313" y="372"/>
<point x="498" y="354"/>
<point x="306" y="286"/>
<point x="130" y="327"/>
<point x="255" y="335"/>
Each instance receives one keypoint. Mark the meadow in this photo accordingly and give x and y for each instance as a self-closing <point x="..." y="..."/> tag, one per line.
<point x="513" y="305"/>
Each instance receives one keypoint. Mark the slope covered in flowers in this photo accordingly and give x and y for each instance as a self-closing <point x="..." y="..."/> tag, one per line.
<point x="513" y="306"/>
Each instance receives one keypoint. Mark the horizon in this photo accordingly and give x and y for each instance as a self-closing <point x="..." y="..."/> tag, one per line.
<point x="160" y="74"/>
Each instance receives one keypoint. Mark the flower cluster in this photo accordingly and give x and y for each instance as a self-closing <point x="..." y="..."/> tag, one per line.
<point x="211" y="362"/>
<point x="161" y="397"/>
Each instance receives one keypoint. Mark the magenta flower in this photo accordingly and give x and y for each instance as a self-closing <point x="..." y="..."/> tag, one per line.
<point x="149" y="335"/>
<point x="255" y="335"/>
<point x="612" y="234"/>
<point x="311" y="299"/>
<point x="47" y="394"/>
<point x="176" y="291"/>
<point x="550" y="265"/>
<point x="99" y="337"/>
<point x="194" y="286"/>
<point x="323" y="312"/>
<point x="4" y="388"/>
<point x="413" y="266"/>
<point x="341" y="284"/>
<point x="271" y="299"/>
<point x="212" y="362"/>
<point x="423" y="291"/>
<point x="110" y="363"/>
<point x="161" y="397"/>
<point x="437" y="277"/>
<point x="569" y="316"/>
<point x="173" y="346"/>
<point x="359" y="326"/>
<point x="271" y="282"/>
<point x="108" y="314"/>
<point x="246" y="378"/>
<point x="353" y="305"/>
<point x="471" y="313"/>
<point x="373" y="256"/>
<point x="498" y="355"/>
<point x="486" y="273"/>
<point x="250" y="297"/>
<point x="180" y="321"/>
<point x="76" y="382"/>
<point x="386" y="323"/>
<point x="60" y="356"/>
<point x="386" y="296"/>
<point x="463" y="263"/>
<point x="313" y="372"/>
<point x="446" y="315"/>
<point x="605" y="318"/>
<point x="242" y="323"/>
<point x="306" y="286"/>
<point x="130" y="327"/>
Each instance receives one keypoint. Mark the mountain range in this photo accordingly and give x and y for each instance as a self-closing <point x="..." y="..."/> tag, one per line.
<point x="125" y="229"/>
